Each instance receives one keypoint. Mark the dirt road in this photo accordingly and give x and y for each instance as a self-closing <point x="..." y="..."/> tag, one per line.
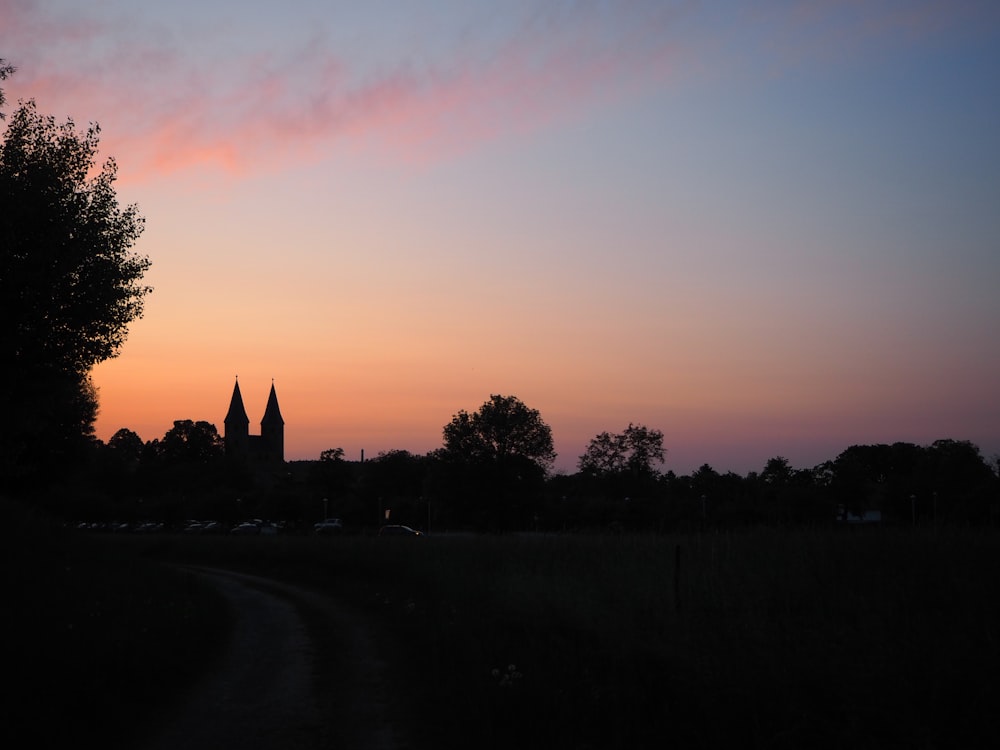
<point x="272" y="687"/>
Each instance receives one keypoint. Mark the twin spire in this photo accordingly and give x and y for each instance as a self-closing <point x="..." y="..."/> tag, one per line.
<point x="269" y="446"/>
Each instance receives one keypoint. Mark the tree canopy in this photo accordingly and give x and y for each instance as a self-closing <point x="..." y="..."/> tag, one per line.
<point x="69" y="279"/>
<point x="67" y="260"/>
<point x="633" y="451"/>
<point x="192" y="442"/>
<point x="126" y="445"/>
<point x="501" y="431"/>
<point x="493" y="463"/>
<point x="6" y="70"/>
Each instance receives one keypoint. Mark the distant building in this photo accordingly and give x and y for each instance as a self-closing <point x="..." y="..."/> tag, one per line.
<point x="266" y="448"/>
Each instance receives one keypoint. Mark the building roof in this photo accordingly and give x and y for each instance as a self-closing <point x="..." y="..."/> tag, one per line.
<point x="272" y="414"/>
<point x="237" y="413"/>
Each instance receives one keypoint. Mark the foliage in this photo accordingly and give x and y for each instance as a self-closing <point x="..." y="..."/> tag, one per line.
<point x="192" y="442"/>
<point x="332" y="454"/>
<point x="633" y="451"/>
<point x="946" y="481"/>
<point x="621" y="465"/>
<point x="6" y="70"/>
<point x="67" y="260"/>
<point x="126" y="446"/>
<point x="186" y="466"/>
<point x="503" y="430"/>
<point x="394" y="480"/>
<point x="50" y="415"/>
<point x="777" y="471"/>
<point x="69" y="279"/>
<point x="493" y="464"/>
<point x="332" y="478"/>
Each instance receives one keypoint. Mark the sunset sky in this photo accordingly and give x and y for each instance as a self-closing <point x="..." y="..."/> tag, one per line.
<point x="767" y="228"/>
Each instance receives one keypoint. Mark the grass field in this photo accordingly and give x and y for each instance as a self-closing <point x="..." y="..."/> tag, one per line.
<point x="763" y="638"/>
<point x="94" y="636"/>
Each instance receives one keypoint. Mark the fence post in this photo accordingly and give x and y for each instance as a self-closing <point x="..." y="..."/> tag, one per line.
<point x="677" y="579"/>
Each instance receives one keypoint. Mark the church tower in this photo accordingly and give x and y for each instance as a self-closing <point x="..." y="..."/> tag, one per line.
<point x="237" y="426"/>
<point x="272" y="430"/>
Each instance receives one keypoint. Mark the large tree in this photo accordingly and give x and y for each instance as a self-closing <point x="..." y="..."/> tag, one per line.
<point x="502" y="430"/>
<point x="70" y="282"/>
<point x="623" y="464"/>
<point x="496" y="458"/>
<point x="126" y="446"/>
<point x="630" y="452"/>
<point x="192" y="442"/>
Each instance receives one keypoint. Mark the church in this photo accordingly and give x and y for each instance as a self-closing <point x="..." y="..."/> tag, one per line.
<point x="266" y="448"/>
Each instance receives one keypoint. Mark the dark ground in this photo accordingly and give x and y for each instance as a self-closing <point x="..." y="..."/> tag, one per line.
<point x="299" y="672"/>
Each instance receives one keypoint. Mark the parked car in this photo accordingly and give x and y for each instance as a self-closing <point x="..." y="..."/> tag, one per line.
<point x="328" y="526"/>
<point x="247" y="528"/>
<point x="398" y="530"/>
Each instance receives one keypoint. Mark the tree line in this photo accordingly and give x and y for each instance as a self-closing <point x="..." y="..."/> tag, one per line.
<point x="493" y="474"/>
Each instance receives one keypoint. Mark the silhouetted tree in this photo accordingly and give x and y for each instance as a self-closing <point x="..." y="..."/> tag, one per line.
<point x="503" y="429"/>
<point x="112" y="472"/>
<point x="332" y="454"/>
<point x="69" y="282"/>
<point x="497" y="457"/>
<point x="624" y="462"/>
<point x="395" y="480"/>
<point x="187" y="469"/>
<point x="961" y="486"/>
<point x="785" y="495"/>
<point x="946" y="481"/>
<point x="860" y="477"/>
<point x="705" y="483"/>
<point x="777" y="472"/>
<point x="126" y="446"/>
<point x="333" y="478"/>
<point x="6" y="70"/>
<point x="192" y="442"/>
<point x="395" y="474"/>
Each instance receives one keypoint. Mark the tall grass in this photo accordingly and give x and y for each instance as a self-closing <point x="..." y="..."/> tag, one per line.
<point x="763" y="638"/>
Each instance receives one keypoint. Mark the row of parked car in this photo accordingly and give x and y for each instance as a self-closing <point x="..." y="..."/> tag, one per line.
<point x="116" y="527"/>
<point x="251" y="527"/>
<point x="336" y="526"/>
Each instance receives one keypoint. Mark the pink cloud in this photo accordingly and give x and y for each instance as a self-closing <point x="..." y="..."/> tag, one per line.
<point x="164" y="112"/>
<point x="160" y="113"/>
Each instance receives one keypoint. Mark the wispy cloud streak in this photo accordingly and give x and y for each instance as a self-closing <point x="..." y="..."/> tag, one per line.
<point x="292" y="103"/>
<point x="267" y="108"/>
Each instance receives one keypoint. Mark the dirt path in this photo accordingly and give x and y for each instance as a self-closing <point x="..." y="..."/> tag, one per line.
<point x="300" y="672"/>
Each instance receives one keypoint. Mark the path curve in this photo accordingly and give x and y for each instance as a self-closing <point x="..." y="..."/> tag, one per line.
<point x="269" y="689"/>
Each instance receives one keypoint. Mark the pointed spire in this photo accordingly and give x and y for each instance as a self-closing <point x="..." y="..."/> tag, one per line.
<point x="272" y="414"/>
<point x="272" y="429"/>
<point x="237" y="414"/>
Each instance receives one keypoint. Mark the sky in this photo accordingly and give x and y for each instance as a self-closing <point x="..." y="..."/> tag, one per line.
<point x="765" y="229"/>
